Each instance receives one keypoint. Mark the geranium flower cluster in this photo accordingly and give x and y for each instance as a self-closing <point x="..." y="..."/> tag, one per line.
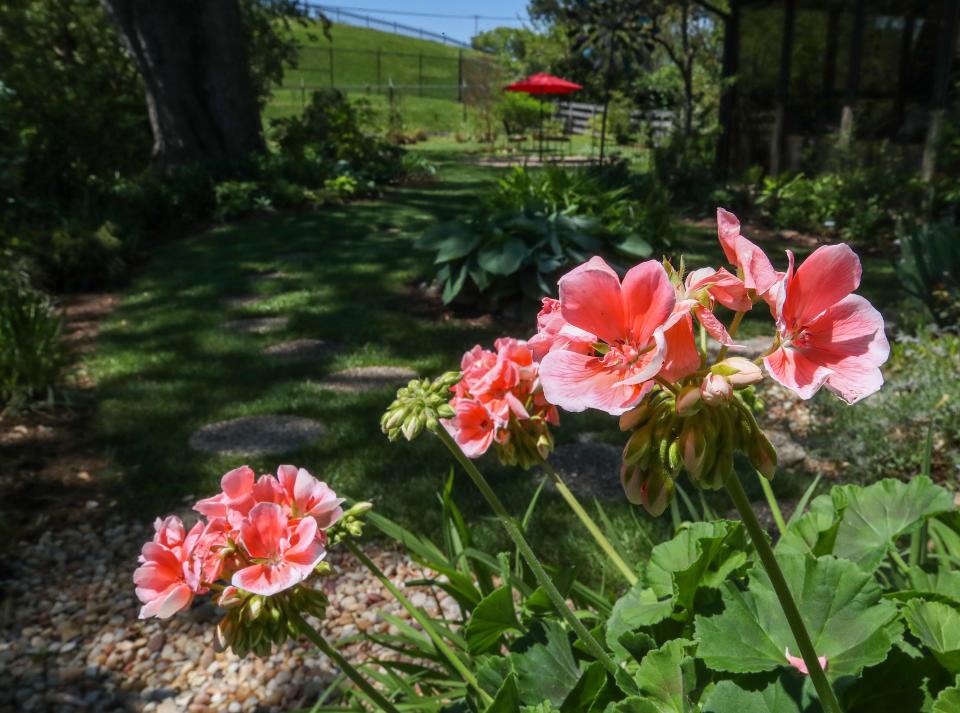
<point x="259" y="537"/>
<point x="498" y="401"/>
<point x="628" y="347"/>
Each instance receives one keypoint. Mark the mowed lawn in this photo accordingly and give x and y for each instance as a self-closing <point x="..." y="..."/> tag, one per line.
<point x="166" y="365"/>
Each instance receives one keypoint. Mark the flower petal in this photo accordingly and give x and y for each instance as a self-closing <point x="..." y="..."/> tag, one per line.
<point x="831" y="273"/>
<point x="268" y="579"/>
<point x="682" y="357"/>
<point x="576" y="382"/>
<point x="648" y="299"/>
<point x="793" y="370"/>
<point x="728" y="230"/>
<point x="591" y="300"/>
<point x="262" y="530"/>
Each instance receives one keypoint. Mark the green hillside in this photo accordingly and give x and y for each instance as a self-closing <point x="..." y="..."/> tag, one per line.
<point x="365" y="62"/>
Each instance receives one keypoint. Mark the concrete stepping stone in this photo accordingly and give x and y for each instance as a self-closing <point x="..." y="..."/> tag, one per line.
<point x="301" y="349"/>
<point x="789" y="452"/>
<point x="367" y="378"/>
<point x="256" y="325"/>
<point x="590" y="469"/>
<point x="257" y="435"/>
<point x="241" y="301"/>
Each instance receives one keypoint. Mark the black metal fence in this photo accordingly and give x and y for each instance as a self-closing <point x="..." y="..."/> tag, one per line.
<point x="339" y="14"/>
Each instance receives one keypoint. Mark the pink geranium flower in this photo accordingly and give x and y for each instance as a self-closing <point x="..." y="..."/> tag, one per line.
<point x="628" y="319"/>
<point x="473" y="427"/>
<point x="235" y="499"/>
<point x="283" y="554"/>
<point x="827" y="336"/>
<point x="704" y="288"/>
<point x="554" y="332"/>
<point x="305" y="496"/>
<point x="758" y="272"/>
<point x="168" y="576"/>
<point x="798" y="663"/>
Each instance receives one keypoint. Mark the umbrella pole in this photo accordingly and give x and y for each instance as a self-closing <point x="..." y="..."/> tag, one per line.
<point x="541" y="129"/>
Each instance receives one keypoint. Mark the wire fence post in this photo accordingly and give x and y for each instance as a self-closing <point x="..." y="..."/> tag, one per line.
<point x="460" y="77"/>
<point x="331" y="66"/>
<point x="420" y="71"/>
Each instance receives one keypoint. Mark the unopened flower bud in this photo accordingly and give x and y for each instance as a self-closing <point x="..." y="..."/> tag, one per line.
<point x="688" y="400"/>
<point x="693" y="448"/>
<point x="716" y="390"/>
<point x="762" y="454"/>
<point x="740" y="372"/>
<point x="656" y="493"/>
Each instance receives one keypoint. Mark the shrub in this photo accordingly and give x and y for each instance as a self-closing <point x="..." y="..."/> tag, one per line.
<point x="859" y="205"/>
<point x="32" y="357"/>
<point x="929" y="268"/>
<point x="520" y="111"/>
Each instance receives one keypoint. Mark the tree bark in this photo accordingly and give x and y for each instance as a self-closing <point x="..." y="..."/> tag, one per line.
<point x="196" y="71"/>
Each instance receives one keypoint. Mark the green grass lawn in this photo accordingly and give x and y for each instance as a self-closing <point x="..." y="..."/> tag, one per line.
<point x="166" y="365"/>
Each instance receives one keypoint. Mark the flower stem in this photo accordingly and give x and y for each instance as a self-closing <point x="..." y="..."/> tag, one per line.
<point x="527" y="553"/>
<point x="317" y="638"/>
<point x="772" y="502"/>
<point x="734" y="326"/>
<point x="423" y="620"/>
<point x="828" y="698"/>
<point x="591" y="526"/>
<point x="666" y="384"/>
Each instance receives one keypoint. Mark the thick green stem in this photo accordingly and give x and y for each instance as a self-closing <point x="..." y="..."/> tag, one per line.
<point x="424" y="622"/>
<point x="772" y="502"/>
<point x="591" y="526"/>
<point x="595" y="649"/>
<point x="317" y="638"/>
<point x="828" y="698"/>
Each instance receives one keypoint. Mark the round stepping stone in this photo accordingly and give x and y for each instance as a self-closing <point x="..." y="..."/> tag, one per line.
<point x="267" y="274"/>
<point x="301" y="349"/>
<point x="256" y="325"/>
<point x="367" y="378"/>
<point x="590" y="469"/>
<point x="257" y="435"/>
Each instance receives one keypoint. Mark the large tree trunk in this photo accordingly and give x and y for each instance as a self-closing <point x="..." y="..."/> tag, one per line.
<point x="193" y="59"/>
<point x="728" y="98"/>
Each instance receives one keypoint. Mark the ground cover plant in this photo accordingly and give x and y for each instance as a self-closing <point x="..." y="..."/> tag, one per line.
<point x="854" y="605"/>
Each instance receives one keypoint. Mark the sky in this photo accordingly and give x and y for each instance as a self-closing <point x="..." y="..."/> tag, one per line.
<point x="492" y="13"/>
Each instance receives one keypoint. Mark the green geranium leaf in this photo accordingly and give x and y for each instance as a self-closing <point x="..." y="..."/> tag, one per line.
<point x="937" y="625"/>
<point x="503" y="259"/>
<point x="703" y="554"/>
<point x="491" y="619"/>
<point x="728" y="697"/>
<point x="881" y="512"/>
<point x="546" y="670"/>
<point x="949" y="699"/>
<point x="667" y="677"/>
<point x="637" y="608"/>
<point x="896" y="684"/>
<point x="841" y="606"/>
<point x="633" y="704"/>
<point x="942" y="586"/>
<point x="814" y="532"/>
<point x="588" y="688"/>
<point x="508" y="697"/>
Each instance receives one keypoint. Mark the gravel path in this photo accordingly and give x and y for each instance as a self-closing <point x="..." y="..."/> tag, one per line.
<point x="70" y="639"/>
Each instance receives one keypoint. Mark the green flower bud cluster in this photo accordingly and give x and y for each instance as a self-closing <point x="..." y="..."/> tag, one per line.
<point x="418" y="405"/>
<point x="673" y="433"/>
<point x="529" y="443"/>
<point x="350" y="524"/>
<point x="254" y="623"/>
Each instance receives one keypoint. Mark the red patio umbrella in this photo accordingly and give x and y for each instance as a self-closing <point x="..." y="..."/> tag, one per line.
<point x="540" y="84"/>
